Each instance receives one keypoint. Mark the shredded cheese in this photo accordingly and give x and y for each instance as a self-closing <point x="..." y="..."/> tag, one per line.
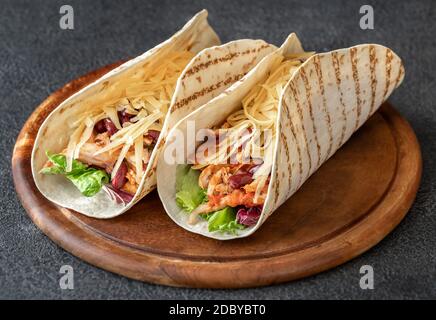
<point x="89" y="123"/>
<point x="145" y="94"/>
<point x="72" y="144"/>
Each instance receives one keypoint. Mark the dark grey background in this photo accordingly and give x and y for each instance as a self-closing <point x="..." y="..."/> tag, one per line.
<point x="37" y="57"/>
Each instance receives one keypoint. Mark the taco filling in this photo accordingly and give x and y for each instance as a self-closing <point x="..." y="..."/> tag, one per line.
<point x="114" y="138"/>
<point x="228" y="183"/>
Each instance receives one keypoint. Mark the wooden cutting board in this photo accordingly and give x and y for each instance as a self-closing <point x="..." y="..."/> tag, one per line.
<point x="348" y="206"/>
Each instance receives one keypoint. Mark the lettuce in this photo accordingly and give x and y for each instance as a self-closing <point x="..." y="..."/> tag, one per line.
<point x="189" y="195"/>
<point x="88" y="180"/>
<point x="223" y="220"/>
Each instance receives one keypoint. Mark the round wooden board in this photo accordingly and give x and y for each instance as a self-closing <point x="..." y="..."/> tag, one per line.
<point x="348" y="206"/>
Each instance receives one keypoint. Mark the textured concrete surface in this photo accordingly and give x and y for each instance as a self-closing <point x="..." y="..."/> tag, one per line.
<point x="37" y="57"/>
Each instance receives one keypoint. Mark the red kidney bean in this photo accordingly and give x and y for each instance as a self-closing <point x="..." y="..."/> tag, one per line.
<point x="153" y="135"/>
<point x="120" y="178"/>
<point x="254" y="169"/>
<point x="100" y="126"/>
<point x="245" y="168"/>
<point x="110" y="127"/>
<point x="248" y="216"/>
<point x="125" y="196"/>
<point x="124" y="116"/>
<point x="239" y="180"/>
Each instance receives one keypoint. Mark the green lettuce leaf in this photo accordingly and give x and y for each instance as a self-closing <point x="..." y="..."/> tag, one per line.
<point x="189" y="195"/>
<point x="223" y="220"/>
<point x="88" y="180"/>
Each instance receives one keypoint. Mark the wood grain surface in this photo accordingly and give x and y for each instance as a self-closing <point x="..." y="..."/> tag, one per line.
<point x="351" y="203"/>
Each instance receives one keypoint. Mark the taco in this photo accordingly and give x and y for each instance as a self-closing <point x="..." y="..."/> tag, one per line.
<point x="269" y="132"/>
<point x="95" y="153"/>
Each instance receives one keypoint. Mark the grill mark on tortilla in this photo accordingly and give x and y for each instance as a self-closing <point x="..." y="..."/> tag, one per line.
<point x="228" y="57"/>
<point x="335" y="62"/>
<point x="277" y="187"/>
<point x="204" y="65"/>
<point x="372" y="62"/>
<point x="264" y="46"/>
<point x="154" y="165"/>
<point x="206" y="90"/>
<point x="308" y="89"/>
<point x="356" y="85"/>
<point x="300" y="162"/>
<point x="288" y="157"/>
<point x="317" y="63"/>
<point x="400" y="72"/>
<point x="389" y="57"/>
<point x="300" y="115"/>
<point x="249" y="64"/>
<point x="150" y="172"/>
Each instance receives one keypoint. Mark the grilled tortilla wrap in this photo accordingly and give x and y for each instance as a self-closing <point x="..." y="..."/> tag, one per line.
<point x="104" y="139"/>
<point x="326" y="99"/>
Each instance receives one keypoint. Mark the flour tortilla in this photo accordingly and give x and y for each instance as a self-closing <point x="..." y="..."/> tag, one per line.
<point x="210" y="72"/>
<point x="327" y="99"/>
